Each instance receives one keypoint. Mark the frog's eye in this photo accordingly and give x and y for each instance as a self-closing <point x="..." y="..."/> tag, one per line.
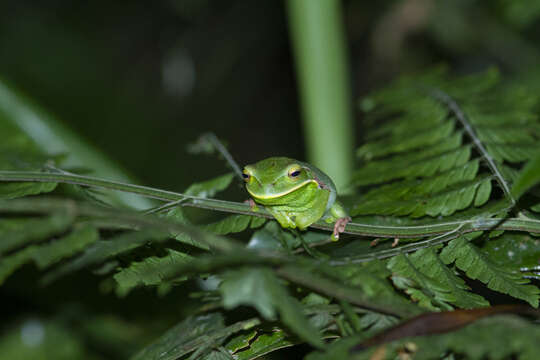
<point x="294" y="172"/>
<point x="246" y="176"/>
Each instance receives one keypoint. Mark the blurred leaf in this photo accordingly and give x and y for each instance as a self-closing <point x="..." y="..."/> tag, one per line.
<point x="210" y="187"/>
<point x="528" y="177"/>
<point x="258" y="287"/>
<point x="50" y="253"/>
<point x="20" y="232"/>
<point x="151" y="271"/>
<point x="15" y="190"/>
<point x="234" y="224"/>
<point x="472" y="341"/>
<point x="513" y="250"/>
<point x="264" y="344"/>
<point x="103" y="250"/>
<point x="183" y="338"/>
<point x="36" y="339"/>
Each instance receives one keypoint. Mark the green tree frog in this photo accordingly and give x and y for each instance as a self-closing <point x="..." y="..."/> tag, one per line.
<point x="297" y="194"/>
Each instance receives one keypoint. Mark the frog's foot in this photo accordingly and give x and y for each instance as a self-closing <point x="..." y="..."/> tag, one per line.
<point x="252" y="204"/>
<point x="339" y="227"/>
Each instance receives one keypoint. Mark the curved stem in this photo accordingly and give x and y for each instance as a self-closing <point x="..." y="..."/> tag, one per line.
<point x="488" y="222"/>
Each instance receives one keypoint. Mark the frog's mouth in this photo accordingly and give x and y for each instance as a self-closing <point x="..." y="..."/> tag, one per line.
<point x="276" y="196"/>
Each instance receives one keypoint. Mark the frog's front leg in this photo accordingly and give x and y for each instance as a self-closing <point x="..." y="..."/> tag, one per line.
<point x="339" y="216"/>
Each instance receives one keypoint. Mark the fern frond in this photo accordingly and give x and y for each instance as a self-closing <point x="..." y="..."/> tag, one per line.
<point x="16" y="233"/>
<point x="478" y="265"/>
<point x="431" y="134"/>
<point x="151" y="271"/>
<point x="102" y="250"/>
<point x="234" y="224"/>
<point x="426" y="268"/>
<point x="48" y="254"/>
<point x="428" y="291"/>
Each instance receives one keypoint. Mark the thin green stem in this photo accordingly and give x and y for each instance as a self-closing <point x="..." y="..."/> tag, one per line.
<point x="318" y="41"/>
<point x="363" y="229"/>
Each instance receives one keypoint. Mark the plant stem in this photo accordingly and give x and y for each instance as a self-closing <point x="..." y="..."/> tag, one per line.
<point x="318" y="42"/>
<point x="461" y="226"/>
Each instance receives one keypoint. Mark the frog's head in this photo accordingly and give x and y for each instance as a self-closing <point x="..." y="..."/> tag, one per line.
<point x="275" y="177"/>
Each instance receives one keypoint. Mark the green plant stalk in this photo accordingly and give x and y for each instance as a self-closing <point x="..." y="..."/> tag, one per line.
<point x="318" y="41"/>
<point x="446" y="230"/>
<point x="52" y="137"/>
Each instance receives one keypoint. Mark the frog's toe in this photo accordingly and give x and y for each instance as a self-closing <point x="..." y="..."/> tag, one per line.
<point x="339" y="226"/>
<point x="252" y="204"/>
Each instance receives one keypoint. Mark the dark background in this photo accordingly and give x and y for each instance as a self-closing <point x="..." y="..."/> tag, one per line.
<point x="141" y="79"/>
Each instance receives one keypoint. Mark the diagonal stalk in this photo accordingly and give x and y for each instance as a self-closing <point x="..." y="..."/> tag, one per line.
<point x="488" y="222"/>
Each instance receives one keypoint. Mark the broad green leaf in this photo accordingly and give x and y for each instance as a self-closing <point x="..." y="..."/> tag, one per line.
<point x="259" y="287"/>
<point x="514" y="250"/>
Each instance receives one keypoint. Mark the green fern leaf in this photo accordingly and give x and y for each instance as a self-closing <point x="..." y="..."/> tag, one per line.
<point x="429" y="262"/>
<point x="434" y="142"/>
<point x="150" y="271"/>
<point x="443" y="194"/>
<point x="210" y="187"/>
<point x="234" y="224"/>
<point x="20" y="232"/>
<point x="102" y="250"/>
<point x="427" y="162"/>
<point x="477" y="265"/>
<point x="15" y="190"/>
<point x="428" y="291"/>
<point x="50" y="253"/>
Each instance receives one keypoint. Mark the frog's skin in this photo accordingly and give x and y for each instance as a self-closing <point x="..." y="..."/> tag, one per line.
<point x="297" y="194"/>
